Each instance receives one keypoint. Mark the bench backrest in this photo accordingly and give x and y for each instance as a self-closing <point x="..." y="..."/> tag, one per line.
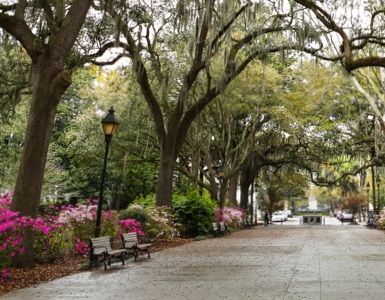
<point x="101" y="244"/>
<point x="129" y="239"/>
<point x="215" y="226"/>
<point x="222" y="226"/>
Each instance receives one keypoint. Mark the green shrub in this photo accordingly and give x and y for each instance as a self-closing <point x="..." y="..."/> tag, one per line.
<point x="135" y="212"/>
<point x="148" y="201"/>
<point x="195" y="213"/>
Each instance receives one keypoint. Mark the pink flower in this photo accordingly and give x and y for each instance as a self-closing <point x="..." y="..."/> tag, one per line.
<point x="4" y="273"/>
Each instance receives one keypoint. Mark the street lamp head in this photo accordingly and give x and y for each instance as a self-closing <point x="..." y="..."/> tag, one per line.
<point x="378" y="180"/>
<point x="110" y="124"/>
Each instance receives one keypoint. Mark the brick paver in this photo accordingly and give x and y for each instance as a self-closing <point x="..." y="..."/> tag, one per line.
<point x="274" y="262"/>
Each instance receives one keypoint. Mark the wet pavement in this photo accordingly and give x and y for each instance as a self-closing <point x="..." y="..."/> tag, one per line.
<point x="323" y="262"/>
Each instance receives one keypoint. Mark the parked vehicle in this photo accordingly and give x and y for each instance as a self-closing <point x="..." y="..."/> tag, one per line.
<point x="285" y="214"/>
<point x="346" y="215"/>
<point x="278" y="217"/>
<point x="289" y="213"/>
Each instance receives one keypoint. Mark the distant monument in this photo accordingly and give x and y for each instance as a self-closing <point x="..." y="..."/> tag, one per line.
<point x="312" y="203"/>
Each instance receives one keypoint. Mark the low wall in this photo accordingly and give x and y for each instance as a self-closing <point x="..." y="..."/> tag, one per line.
<point x="312" y="219"/>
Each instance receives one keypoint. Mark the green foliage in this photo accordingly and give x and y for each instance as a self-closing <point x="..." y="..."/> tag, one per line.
<point x="148" y="201"/>
<point x="203" y="237"/>
<point x="194" y="212"/>
<point x="272" y="200"/>
<point x="12" y="134"/>
<point x="14" y="76"/>
<point x="135" y="212"/>
<point x="110" y="224"/>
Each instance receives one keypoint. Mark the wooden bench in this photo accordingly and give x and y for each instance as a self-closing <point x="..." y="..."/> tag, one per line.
<point x="219" y="230"/>
<point x="248" y="224"/>
<point x="215" y="229"/>
<point x="101" y="251"/>
<point x="223" y="228"/>
<point x="131" y="243"/>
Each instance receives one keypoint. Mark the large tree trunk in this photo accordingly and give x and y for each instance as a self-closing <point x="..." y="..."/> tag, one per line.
<point x="165" y="176"/>
<point x="244" y="183"/>
<point x="47" y="92"/>
<point x="48" y="53"/>
<point x="249" y="170"/>
<point x="233" y="187"/>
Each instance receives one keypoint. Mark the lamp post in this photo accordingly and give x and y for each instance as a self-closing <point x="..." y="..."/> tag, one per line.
<point x="367" y="192"/>
<point x="251" y="203"/>
<point x="110" y="124"/>
<point x="378" y="181"/>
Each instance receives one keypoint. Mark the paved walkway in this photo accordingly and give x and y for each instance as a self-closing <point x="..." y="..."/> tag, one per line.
<point x="274" y="262"/>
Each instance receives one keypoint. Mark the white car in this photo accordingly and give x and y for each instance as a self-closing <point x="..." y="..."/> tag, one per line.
<point x="285" y="214"/>
<point x="278" y="217"/>
<point x="345" y="216"/>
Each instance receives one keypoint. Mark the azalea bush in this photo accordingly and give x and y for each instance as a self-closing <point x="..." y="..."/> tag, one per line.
<point x="136" y="212"/>
<point x="50" y="240"/>
<point x="161" y="224"/>
<point x="130" y="225"/>
<point x="11" y="230"/>
<point x="231" y="216"/>
<point x="157" y="222"/>
<point x="58" y="230"/>
<point x="380" y="223"/>
<point x="80" y="223"/>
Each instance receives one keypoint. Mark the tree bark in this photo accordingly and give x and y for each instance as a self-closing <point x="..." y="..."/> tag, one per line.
<point x="45" y="99"/>
<point x="166" y="169"/>
<point x="249" y="170"/>
<point x="233" y="186"/>
<point x="245" y="181"/>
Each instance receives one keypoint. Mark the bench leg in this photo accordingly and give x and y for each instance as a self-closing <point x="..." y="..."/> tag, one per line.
<point x="142" y="250"/>
<point x="148" y="252"/>
<point x="128" y="254"/>
<point x="121" y="257"/>
<point x="136" y="253"/>
<point x="94" y="260"/>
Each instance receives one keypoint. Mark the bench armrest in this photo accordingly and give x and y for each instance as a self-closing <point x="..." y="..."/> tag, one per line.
<point x="144" y="240"/>
<point x="99" y="247"/>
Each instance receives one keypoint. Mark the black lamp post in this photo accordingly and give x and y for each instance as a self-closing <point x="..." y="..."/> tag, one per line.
<point x="378" y="181"/>
<point x="110" y="124"/>
<point x="367" y="192"/>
